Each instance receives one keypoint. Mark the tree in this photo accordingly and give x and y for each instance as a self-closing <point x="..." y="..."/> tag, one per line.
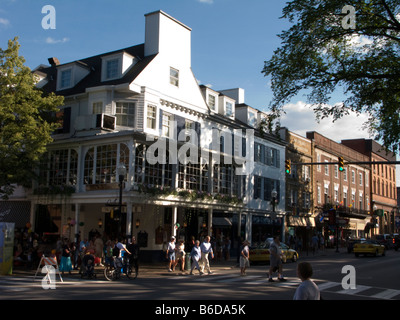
<point x="26" y="120"/>
<point x="328" y="48"/>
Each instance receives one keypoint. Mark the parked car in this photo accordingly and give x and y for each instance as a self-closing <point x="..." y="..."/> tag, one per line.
<point x="260" y="253"/>
<point x="369" y="247"/>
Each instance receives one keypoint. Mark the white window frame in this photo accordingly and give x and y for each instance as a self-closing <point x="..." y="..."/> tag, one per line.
<point x="125" y="119"/>
<point x="63" y="85"/>
<point x="213" y="106"/>
<point x="151" y="116"/>
<point x="97" y="107"/>
<point x="115" y="69"/>
<point x="166" y="130"/>
<point x="174" y="78"/>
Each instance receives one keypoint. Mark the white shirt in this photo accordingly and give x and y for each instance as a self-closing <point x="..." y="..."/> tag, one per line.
<point x="206" y="247"/>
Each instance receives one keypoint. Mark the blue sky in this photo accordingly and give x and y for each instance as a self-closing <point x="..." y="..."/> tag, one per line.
<point x="231" y="39"/>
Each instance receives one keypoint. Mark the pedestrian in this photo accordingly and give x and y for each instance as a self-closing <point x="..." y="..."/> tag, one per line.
<point x="99" y="247"/>
<point x="133" y="248"/>
<point x="65" y="264"/>
<point x="244" y="258"/>
<point x="275" y="259"/>
<point x="314" y="243"/>
<point x="171" y="254"/>
<point x="206" y="249"/>
<point x="108" y="254"/>
<point x="180" y="254"/>
<point x="307" y="290"/>
<point x="196" y="256"/>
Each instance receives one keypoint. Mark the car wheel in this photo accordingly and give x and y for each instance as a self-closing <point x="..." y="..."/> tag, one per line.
<point x="294" y="259"/>
<point x="357" y="254"/>
<point x="383" y="253"/>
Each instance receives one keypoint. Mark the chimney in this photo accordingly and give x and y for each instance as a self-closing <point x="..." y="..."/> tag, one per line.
<point x="54" y="61"/>
<point x="167" y="36"/>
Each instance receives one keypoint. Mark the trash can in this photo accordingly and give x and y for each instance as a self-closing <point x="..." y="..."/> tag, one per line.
<point x="187" y="262"/>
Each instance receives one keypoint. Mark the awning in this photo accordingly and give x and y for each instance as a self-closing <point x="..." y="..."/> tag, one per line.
<point x="221" y="221"/>
<point x="301" y="221"/>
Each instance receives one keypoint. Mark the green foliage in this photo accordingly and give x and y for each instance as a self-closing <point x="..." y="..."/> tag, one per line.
<point x="320" y="56"/>
<point x="25" y="122"/>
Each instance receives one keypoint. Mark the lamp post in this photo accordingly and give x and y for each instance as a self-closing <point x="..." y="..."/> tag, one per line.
<point x="121" y="172"/>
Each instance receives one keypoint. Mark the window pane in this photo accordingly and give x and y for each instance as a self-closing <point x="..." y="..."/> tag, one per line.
<point x="174" y="77"/>
<point x="66" y="78"/>
<point x="112" y="68"/>
<point x="125" y="112"/>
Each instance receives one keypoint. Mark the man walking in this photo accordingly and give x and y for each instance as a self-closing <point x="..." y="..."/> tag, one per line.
<point x="206" y="249"/>
<point x="275" y="259"/>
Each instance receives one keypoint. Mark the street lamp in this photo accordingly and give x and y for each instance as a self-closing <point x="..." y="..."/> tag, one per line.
<point x="121" y="172"/>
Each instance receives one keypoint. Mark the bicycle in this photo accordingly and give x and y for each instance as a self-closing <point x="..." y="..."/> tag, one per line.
<point x="117" y="267"/>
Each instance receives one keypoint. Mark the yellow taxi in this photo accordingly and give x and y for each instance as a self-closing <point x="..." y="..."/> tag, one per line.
<point x="368" y="247"/>
<point x="260" y="253"/>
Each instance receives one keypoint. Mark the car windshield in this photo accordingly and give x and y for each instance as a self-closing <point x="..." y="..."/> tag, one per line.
<point x="369" y="241"/>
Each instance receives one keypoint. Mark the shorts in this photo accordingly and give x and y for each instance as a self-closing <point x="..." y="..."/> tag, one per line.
<point x="171" y="256"/>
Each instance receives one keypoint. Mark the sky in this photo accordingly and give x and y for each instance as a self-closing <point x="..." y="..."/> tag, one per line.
<point x="231" y="39"/>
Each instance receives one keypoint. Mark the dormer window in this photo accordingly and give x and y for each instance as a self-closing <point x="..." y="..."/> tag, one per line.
<point x="116" y="65"/>
<point x="212" y="103"/>
<point x="70" y="74"/>
<point x="66" y="79"/>
<point x="229" y="109"/>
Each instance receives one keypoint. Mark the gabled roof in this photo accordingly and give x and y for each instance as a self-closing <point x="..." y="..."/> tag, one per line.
<point x="94" y="64"/>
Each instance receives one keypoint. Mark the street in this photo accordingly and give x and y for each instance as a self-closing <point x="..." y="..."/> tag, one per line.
<point x="376" y="278"/>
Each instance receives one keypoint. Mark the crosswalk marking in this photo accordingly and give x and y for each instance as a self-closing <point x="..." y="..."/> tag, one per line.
<point x="293" y="282"/>
<point x="387" y="294"/>
<point x="357" y="290"/>
<point x="327" y="285"/>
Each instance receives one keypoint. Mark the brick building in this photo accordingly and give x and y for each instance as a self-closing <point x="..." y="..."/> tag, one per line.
<point x="383" y="182"/>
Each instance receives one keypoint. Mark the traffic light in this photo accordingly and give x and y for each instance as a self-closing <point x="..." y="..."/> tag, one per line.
<point x="288" y="166"/>
<point x="341" y="164"/>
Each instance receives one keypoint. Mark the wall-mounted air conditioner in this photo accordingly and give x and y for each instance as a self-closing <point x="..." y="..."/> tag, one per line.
<point x="105" y="121"/>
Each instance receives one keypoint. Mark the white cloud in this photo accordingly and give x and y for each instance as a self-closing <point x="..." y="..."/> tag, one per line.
<point x="51" y="40"/>
<point x="4" y="22"/>
<point x="206" y="1"/>
<point x="300" y="118"/>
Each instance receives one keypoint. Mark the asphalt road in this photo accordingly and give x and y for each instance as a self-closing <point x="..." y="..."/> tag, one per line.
<point x="376" y="278"/>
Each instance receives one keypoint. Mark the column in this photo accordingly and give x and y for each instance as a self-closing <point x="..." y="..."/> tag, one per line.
<point x="128" y="220"/>
<point x="248" y="233"/>
<point x="174" y="220"/>
<point x="209" y="226"/>
<point x="76" y="227"/>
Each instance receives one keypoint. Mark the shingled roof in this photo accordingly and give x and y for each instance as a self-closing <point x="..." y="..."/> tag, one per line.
<point x="93" y="64"/>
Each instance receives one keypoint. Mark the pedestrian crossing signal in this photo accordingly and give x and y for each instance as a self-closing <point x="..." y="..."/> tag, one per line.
<point x="341" y="164"/>
<point x="288" y="166"/>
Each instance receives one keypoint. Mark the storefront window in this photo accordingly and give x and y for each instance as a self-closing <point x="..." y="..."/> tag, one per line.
<point x="101" y="163"/>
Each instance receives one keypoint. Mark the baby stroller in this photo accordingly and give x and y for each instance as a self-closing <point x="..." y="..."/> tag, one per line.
<point x="88" y="266"/>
